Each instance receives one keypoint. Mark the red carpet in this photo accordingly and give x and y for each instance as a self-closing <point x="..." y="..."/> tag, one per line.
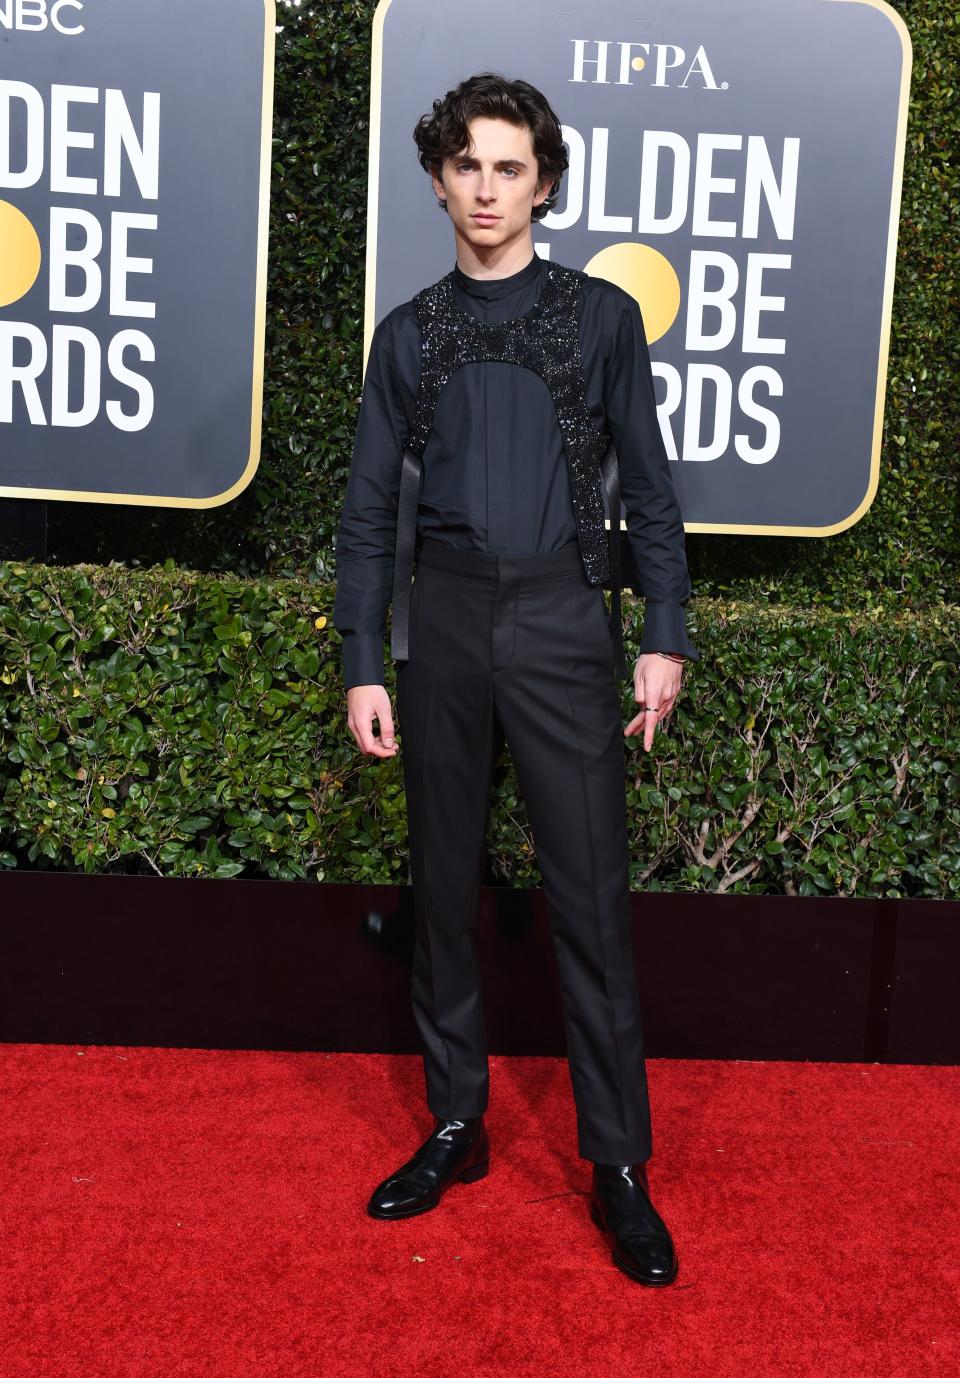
<point x="194" y="1213"/>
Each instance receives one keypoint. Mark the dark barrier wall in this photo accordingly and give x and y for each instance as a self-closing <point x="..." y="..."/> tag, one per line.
<point x="136" y="960"/>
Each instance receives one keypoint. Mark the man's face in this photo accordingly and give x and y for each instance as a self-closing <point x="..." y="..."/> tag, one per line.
<point x="497" y="175"/>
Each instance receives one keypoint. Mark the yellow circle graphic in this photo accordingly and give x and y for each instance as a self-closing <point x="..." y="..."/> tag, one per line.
<point x="648" y="276"/>
<point x="19" y="254"/>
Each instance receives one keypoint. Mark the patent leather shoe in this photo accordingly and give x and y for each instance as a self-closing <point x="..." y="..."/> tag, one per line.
<point x="456" y="1151"/>
<point x="620" y="1205"/>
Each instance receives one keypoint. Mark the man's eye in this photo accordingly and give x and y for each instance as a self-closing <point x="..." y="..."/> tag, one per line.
<point x="466" y="167"/>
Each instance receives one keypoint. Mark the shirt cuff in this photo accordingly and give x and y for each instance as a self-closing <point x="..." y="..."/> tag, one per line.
<point x="362" y="659"/>
<point x="665" y="629"/>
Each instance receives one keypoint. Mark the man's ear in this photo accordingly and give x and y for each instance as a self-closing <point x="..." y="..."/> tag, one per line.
<point x="543" y="190"/>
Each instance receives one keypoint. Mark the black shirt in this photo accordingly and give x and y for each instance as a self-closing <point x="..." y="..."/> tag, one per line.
<point x="494" y="470"/>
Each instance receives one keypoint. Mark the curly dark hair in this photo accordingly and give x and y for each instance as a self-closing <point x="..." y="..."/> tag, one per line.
<point x="444" y="134"/>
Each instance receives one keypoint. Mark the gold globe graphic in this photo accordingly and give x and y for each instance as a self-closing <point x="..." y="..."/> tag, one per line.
<point x="19" y="254"/>
<point x="648" y="276"/>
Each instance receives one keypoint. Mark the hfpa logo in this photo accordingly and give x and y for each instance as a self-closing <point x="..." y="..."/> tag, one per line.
<point x="591" y="59"/>
<point x="37" y="14"/>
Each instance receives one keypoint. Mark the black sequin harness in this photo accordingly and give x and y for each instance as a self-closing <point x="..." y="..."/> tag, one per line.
<point x="546" y="340"/>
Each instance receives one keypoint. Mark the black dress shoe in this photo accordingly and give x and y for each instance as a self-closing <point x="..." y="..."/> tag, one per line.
<point x="456" y="1151"/>
<point x="620" y="1205"/>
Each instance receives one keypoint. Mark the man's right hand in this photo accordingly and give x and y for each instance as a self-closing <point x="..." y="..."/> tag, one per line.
<point x="366" y="702"/>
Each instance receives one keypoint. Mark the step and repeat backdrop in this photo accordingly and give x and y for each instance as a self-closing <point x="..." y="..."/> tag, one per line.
<point x="736" y="166"/>
<point x="134" y="196"/>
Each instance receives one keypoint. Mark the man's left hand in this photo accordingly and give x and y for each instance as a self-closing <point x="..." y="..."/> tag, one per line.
<point x="656" y="684"/>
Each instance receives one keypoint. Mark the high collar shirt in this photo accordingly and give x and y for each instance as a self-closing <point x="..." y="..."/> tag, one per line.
<point x="495" y="476"/>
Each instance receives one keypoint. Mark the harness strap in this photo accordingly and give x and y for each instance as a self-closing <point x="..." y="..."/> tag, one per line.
<point x="410" y="479"/>
<point x="611" y="483"/>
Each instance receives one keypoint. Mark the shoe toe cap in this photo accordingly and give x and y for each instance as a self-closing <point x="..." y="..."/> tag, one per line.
<point x="655" y="1262"/>
<point x="392" y="1195"/>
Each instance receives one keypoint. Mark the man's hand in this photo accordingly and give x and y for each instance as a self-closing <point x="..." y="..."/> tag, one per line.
<point x="656" y="683"/>
<point x="366" y="702"/>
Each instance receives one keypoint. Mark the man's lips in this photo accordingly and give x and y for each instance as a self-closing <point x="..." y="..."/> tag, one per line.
<point x="486" y="219"/>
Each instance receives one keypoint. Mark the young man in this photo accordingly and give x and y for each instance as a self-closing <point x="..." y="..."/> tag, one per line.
<point x="508" y="377"/>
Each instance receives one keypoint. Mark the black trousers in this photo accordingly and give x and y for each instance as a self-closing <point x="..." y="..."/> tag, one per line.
<point x="517" y="649"/>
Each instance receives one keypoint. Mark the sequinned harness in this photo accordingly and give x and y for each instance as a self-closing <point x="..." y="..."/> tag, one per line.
<point x="546" y="340"/>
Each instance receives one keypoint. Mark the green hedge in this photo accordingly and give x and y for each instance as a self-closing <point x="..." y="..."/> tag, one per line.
<point x="158" y="721"/>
